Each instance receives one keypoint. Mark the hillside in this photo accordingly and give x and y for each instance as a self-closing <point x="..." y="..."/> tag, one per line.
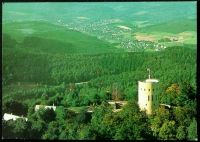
<point x="93" y="64"/>
<point x="171" y="33"/>
<point x="50" y="38"/>
<point x="175" y="26"/>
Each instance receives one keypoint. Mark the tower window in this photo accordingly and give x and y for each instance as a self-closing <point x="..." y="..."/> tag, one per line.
<point x="148" y="98"/>
<point x="152" y="97"/>
<point x="149" y="89"/>
<point x="141" y="88"/>
<point x="144" y="89"/>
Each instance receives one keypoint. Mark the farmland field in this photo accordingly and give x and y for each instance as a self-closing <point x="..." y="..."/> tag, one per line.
<point x="78" y="57"/>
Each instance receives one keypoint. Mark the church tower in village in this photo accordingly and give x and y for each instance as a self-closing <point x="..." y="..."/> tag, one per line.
<point x="147" y="100"/>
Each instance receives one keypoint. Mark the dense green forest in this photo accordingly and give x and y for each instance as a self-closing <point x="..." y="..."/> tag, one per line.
<point x="55" y="76"/>
<point x="79" y="66"/>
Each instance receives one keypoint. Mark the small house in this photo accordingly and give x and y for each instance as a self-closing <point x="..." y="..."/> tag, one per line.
<point x="37" y="107"/>
<point x="7" y="117"/>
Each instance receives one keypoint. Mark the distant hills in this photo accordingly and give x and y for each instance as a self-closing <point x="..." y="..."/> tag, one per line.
<point x="175" y="26"/>
<point x="50" y="38"/>
<point x="100" y="27"/>
<point x="154" y="12"/>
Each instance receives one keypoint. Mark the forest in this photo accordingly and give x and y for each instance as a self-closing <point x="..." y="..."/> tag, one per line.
<point x="51" y="79"/>
<point x="80" y="61"/>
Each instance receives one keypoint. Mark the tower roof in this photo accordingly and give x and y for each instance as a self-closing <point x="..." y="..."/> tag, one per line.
<point x="151" y="80"/>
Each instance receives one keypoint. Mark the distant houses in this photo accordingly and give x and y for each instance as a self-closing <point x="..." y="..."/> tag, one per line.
<point x="37" y="107"/>
<point x="173" y="38"/>
<point x="7" y="117"/>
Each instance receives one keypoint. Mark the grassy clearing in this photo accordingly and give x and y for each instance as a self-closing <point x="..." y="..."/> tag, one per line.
<point x="187" y="37"/>
<point x="174" y="27"/>
<point x="171" y="33"/>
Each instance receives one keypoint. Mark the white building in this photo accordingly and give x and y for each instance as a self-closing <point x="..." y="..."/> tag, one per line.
<point x="37" y="107"/>
<point x="7" y="117"/>
<point x="147" y="100"/>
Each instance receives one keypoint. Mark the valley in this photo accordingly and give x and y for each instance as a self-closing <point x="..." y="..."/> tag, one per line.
<point x="85" y="58"/>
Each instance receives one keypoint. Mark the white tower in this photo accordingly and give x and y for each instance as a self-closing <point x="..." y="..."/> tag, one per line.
<point x="147" y="100"/>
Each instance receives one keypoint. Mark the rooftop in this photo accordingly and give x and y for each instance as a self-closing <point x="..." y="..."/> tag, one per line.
<point x="150" y="81"/>
<point x="37" y="107"/>
<point x="7" y="117"/>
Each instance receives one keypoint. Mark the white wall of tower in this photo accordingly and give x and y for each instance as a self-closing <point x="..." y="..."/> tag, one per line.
<point x="146" y="97"/>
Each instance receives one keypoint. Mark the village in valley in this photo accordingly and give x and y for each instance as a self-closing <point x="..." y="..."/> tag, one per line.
<point x="99" y="71"/>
